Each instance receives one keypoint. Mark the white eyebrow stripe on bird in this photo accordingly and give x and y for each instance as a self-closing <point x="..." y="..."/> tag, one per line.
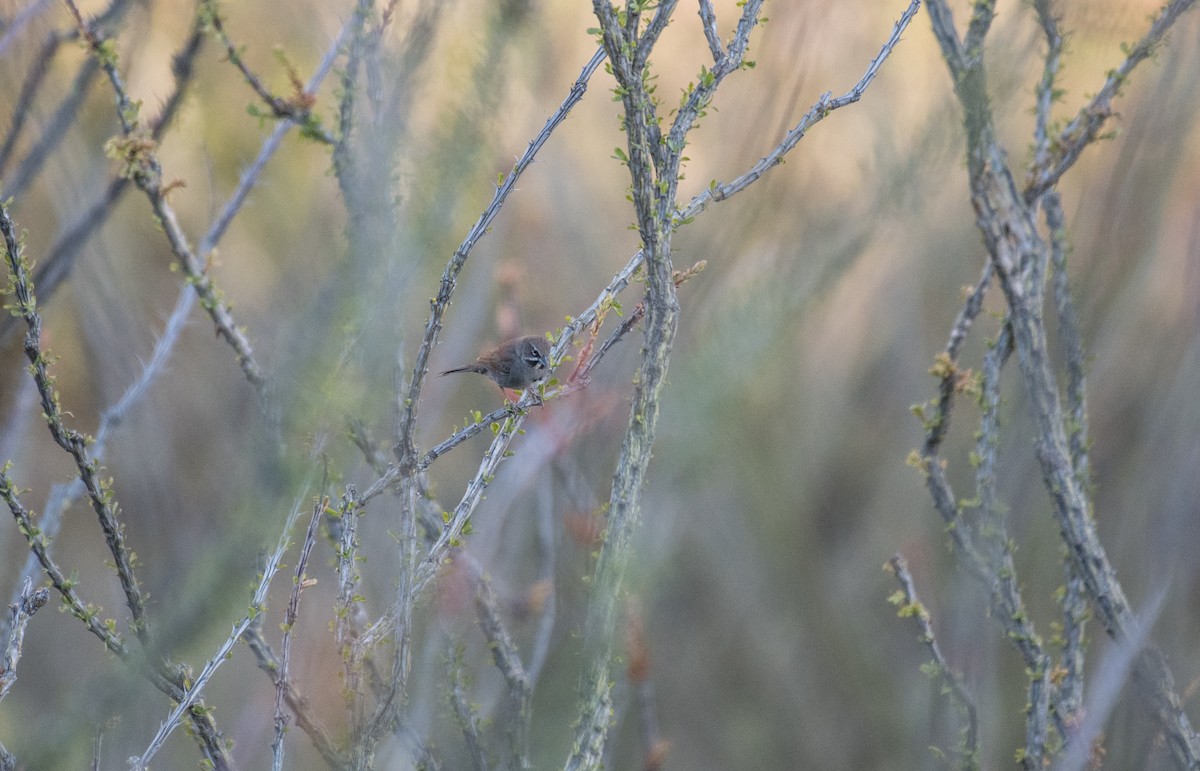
<point x="535" y="358"/>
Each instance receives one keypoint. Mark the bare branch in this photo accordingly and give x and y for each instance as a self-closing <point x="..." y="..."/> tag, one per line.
<point x="240" y="629"/>
<point x="54" y="268"/>
<point x="136" y="150"/>
<point x="911" y="607"/>
<point x="250" y="176"/>
<point x="268" y="662"/>
<point x="289" y="623"/>
<point x="1085" y="127"/>
<point x="71" y="441"/>
<point x="85" y="612"/>
<point x="405" y="451"/>
<point x="818" y="112"/>
<point x="297" y="109"/>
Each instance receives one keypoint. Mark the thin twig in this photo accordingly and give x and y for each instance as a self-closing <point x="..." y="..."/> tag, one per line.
<point x="54" y="268"/>
<point x="251" y="174"/>
<point x="995" y="545"/>
<point x="74" y="443"/>
<point x="85" y="612"/>
<point x="137" y="152"/>
<point x="911" y="607"/>
<point x="506" y="431"/>
<point x="297" y="109"/>
<point x="289" y="623"/>
<point x="1110" y="678"/>
<point x="939" y="423"/>
<point x="1085" y="127"/>
<point x="222" y="654"/>
<point x="170" y="681"/>
<point x="405" y="451"/>
<point x="63" y="496"/>
<point x="317" y="733"/>
<point x="825" y="105"/>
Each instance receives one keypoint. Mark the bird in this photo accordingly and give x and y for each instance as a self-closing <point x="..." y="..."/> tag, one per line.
<point x="517" y="363"/>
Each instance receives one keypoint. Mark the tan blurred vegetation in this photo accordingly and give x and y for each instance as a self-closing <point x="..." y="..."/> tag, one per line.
<point x="778" y="487"/>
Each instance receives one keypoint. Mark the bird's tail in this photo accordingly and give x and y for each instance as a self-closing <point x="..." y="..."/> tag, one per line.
<point x="468" y="368"/>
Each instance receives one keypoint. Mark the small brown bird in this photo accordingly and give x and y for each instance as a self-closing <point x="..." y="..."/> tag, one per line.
<point x="517" y="363"/>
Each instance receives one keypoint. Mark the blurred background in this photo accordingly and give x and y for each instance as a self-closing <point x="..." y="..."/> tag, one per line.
<point x="778" y="488"/>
